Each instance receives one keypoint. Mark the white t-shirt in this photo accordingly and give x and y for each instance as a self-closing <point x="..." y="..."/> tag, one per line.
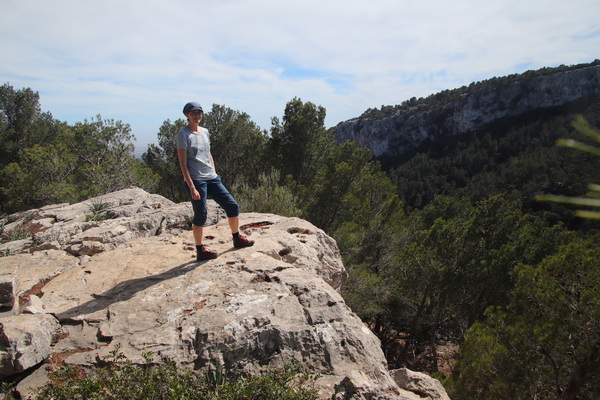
<point x="197" y="146"/>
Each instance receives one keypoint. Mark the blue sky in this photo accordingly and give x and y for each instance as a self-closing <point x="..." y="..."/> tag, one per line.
<point x="141" y="61"/>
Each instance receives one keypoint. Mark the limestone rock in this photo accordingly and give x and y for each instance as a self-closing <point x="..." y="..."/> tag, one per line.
<point x="25" y="341"/>
<point x="423" y="385"/>
<point x="33" y="382"/>
<point x="15" y="246"/>
<point x="247" y="310"/>
<point x="35" y="269"/>
<point x="401" y="133"/>
<point x="100" y="223"/>
<point x="33" y="305"/>
<point x="8" y="284"/>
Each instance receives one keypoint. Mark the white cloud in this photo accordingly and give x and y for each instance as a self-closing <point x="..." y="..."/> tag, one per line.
<point x="140" y="61"/>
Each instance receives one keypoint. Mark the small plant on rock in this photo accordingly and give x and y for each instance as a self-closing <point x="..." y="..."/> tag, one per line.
<point x="98" y="209"/>
<point x="21" y="231"/>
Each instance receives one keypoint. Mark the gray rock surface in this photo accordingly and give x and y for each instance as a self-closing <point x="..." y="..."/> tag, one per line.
<point x="143" y="291"/>
<point x="100" y="223"/>
<point x="25" y="341"/>
<point x="419" y="383"/>
<point x="8" y="283"/>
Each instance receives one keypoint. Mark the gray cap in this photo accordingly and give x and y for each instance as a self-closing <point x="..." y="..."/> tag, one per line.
<point x="191" y="106"/>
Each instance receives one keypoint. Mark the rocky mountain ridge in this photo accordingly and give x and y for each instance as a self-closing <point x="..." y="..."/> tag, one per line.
<point x="92" y="280"/>
<point x="401" y="133"/>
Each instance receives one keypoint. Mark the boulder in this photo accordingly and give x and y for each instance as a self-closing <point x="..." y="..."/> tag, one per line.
<point x="25" y="341"/>
<point x="33" y="305"/>
<point x="132" y="285"/>
<point x="8" y="284"/>
<point x="422" y="384"/>
<point x="100" y="223"/>
<point x="33" y="270"/>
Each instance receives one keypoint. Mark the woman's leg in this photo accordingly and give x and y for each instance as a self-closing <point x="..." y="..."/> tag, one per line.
<point x="234" y="224"/>
<point x="198" y="234"/>
<point x="199" y="207"/>
<point x="221" y="195"/>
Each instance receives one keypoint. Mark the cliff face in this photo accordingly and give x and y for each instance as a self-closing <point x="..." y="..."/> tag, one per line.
<point x="79" y="289"/>
<point x="406" y="129"/>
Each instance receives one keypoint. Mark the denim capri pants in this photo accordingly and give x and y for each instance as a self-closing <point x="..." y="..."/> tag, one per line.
<point x="218" y="192"/>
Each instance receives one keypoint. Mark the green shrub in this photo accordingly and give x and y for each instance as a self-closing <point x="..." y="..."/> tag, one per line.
<point x="121" y="379"/>
<point x="267" y="197"/>
<point x="98" y="209"/>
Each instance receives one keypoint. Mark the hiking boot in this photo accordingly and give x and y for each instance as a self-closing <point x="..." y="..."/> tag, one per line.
<point x="202" y="253"/>
<point x="242" y="241"/>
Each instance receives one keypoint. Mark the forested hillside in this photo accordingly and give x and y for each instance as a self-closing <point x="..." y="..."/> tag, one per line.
<point x="517" y="157"/>
<point x="492" y="137"/>
<point x="452" y="263"/>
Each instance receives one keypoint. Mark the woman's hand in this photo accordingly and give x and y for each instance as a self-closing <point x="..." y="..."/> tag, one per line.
<point x="195" y="193"/>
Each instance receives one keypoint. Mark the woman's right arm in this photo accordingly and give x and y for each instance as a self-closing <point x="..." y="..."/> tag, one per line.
<point x="182" y="156"/>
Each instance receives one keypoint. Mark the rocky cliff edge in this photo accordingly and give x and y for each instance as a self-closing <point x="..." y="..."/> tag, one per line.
<point x="119" y="272"/>
<point x="402" y="132"/>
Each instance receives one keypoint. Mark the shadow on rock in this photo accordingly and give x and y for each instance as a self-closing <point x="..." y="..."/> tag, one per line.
<point x="124" y="291"/>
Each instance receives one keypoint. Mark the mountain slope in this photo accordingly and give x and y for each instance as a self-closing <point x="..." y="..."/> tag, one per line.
<point x="493" y="137"/>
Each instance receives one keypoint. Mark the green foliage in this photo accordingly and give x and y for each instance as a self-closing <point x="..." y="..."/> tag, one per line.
<point x="163" y="161"/>
<point x="97" y="209"/>
<point x="294" y="145"/>
<point x="593" y="199"/>
<point x="103" y="150"/>
<point x="346" y="186"/>
<point x="51" y="162"/>
<point x="23" y="126"/>
<point x="121" y="379"/>
<point x="268" y="197"/>
<point x="18" y="110"/>
<point x="517" y="158"/>
<point x="44" y="174"/>
<point x="437" y="271"/>
<point x="237" y="145"/>
<point x="545" y="344"/>
<point x="287" y="383"/>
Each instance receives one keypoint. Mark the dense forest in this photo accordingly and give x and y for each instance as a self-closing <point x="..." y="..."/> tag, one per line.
<point x="452" y="262"/>
<point x="517" y="157"/>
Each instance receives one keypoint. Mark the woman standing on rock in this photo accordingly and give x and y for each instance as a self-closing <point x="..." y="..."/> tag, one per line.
<point x="198" y="168"/>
